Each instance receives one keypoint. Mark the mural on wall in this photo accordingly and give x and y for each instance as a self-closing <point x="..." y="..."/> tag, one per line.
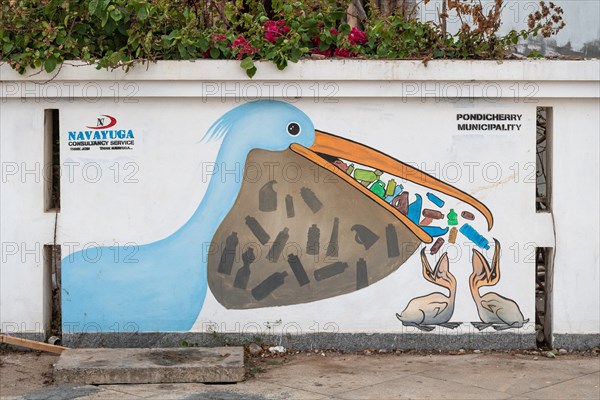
<point x="331" y="218"/>
<point x="435" y="308"/>
<point x="494" y="310"/>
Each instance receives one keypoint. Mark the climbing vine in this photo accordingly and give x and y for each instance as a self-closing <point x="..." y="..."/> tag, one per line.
<point x="42" y="34"/>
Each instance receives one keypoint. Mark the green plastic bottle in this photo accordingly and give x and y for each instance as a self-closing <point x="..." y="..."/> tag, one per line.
<point x="378" y="187"/>
<point x="365" y="175"/>
<point x="452" y="217"/>
<point x="390" y="188"/>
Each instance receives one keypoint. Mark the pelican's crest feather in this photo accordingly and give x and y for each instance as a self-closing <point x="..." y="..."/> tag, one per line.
<point x="223" y="125"/>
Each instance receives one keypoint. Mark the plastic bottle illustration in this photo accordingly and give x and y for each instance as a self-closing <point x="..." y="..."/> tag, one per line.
<point x="397" y="191"/>
<point x="267" y="197"/>
<point x="362" y="277"/>
<point x="311" y="199"/>
<point x="452" y="217"/>
<point x="330" y="270"/>
<point x="228" y="254"/>
<point x="437" y="245"/>
<point x="243" y="274"/>
<point x="298" y="269"/>
<point x="474" y="236"/>
<point x="278" y="245"/>
<point x="435" y="200"/>
<point x="333" y="245"/>
<point x="289" y="206"/>
<point x="313" y="242"/>
<point x="433" y="214"/>
<point x="364" y="236"/>
<point x="425" y="221"/>
<point x="467" y="215"/>
<point x="400" y="203"/>
<point x="378" y="187"/>
<point x="365" y="175"/>
<point x="392" y="241"/>
<point x="341" y="165"/>
<point x="267" y="286"/>
<point x="258" y="231"/>
<point x="390" y="188"/>
<point x="453" y="233"/>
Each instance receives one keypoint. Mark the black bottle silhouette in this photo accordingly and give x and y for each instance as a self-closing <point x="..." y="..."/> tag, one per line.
<point x="228" y="254"/>
<point x="243" y="274"/>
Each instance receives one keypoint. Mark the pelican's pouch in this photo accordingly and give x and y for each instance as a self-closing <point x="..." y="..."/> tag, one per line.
<point x="352" y="241"/>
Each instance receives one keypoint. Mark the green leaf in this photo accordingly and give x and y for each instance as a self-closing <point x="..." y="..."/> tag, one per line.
<point x="296" y="54"/>
<point x="214" y="53"/>
<point x="182" y="51"/>
<point x="247" y="63"/>
<point x="7" y="48"/>
<point x="50" y="64"/>
<point x="92" y="7"/>
<point x="104" y="19"/>
<point x="142" y="13"/>
<point x="344" y="29"/>
<point x="116" y="14"/>
<point x="437" y="53"/>
<point x="204" y="44"/>
<point x="251" y="72"/>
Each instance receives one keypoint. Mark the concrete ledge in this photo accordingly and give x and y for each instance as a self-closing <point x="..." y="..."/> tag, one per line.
<point x="329" y="69"/>
<point x="517" y="80"/>
<point x="576" y="341"/>
<point x="187" y="365"/>
<point x="339" y="341"/>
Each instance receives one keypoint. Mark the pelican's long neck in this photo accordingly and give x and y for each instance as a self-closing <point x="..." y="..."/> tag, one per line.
<point x="449" y="283"/>
<point x="225" y="183"/>
<point x="474" y="285"/>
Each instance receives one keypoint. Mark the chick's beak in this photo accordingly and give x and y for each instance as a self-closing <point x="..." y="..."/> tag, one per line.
<point x="332" y="145"/>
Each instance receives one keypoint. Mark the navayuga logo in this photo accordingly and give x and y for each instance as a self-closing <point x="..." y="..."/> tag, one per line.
<point x="103" y="136"/>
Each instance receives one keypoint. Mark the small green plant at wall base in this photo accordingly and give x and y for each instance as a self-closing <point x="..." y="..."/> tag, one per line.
<point x="42" y="34"/>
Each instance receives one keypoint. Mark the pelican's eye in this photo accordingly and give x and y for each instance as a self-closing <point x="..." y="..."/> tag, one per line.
<point x="293" y="128"/>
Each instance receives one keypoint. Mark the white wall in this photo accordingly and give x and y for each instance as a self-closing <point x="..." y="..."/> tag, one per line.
<point x="403" y="108"/>
<point x="576" y="303"/>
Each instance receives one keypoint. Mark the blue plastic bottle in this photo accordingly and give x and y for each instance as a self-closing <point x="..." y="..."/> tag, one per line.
<point x="474" y="236"/>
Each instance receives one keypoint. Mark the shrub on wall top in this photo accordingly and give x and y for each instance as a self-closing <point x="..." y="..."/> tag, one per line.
<point x="119" y="33"/>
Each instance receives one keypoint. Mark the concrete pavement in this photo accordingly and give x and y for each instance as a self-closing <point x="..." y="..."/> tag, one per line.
<point x="309" y="375"/>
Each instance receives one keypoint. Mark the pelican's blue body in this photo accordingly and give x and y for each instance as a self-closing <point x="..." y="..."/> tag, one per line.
<point x="162" y="286"/>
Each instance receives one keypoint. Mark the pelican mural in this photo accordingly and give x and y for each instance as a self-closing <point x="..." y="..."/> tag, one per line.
<point x="305" y="232"/>
<point x="494" y="310"/>
<point x="436" y="308"/>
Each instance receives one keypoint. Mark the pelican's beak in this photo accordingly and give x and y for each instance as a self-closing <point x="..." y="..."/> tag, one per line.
<point x="328" y="145"/>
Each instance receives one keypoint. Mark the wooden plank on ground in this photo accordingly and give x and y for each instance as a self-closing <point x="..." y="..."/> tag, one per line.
<point x="31" y="344"/>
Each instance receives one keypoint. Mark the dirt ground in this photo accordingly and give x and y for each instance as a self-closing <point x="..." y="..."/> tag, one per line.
<point x="24" y="371"/>
<point x="27" y="371"/>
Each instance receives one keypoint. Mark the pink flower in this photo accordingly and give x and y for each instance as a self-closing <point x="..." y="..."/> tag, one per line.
<point x="343" y="53"/>
<point x="244" y="47"/>
<point x="356" y="36"/>
<point x="240" y="41"/>
<point x="275" y="29"/>
<point x="326" y="53"/>
<point x="333" y="31"/>
<point x="218" y="37"/>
